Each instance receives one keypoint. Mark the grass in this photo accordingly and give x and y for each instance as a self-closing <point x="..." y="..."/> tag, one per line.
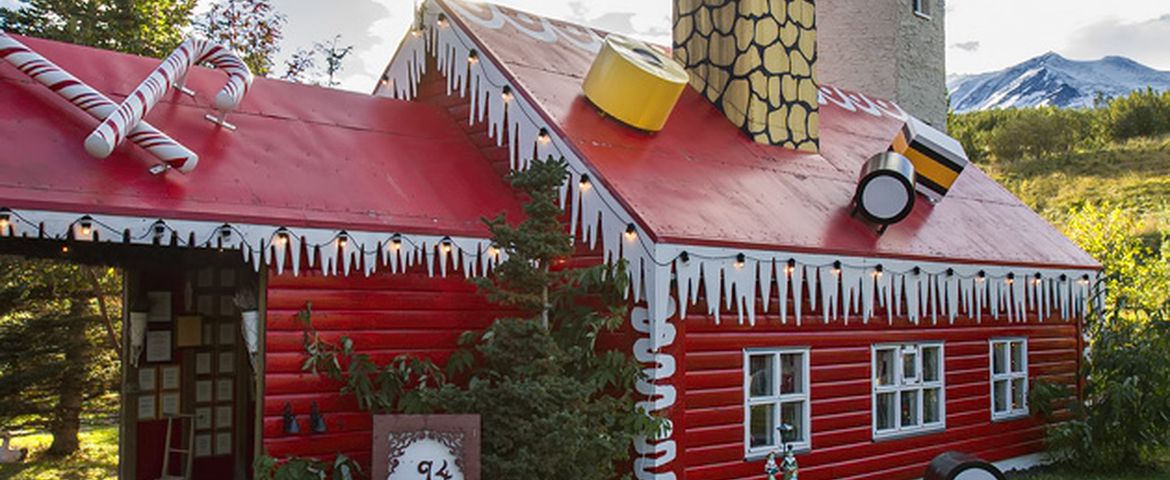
<point x="97" y="459"/>
<point x="1135" y="173"/>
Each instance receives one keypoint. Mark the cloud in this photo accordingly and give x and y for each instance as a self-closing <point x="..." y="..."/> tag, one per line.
<point x="625" y="23"/>
<point x="970" y="46"/>
<point x="1143" y="41"/>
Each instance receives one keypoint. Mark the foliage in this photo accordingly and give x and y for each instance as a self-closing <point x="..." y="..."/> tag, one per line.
<point x="297" y="468"/>
<point x="144" y="27"/>
<point x="1122" y="420"/>
<point x="1140" y="114"/>
<point x="251" y="27"/>
<point x="1138" y="275"/>
<point x="96" y="460"/>
<point x="303" y="66"/>
<point x="57" y="347"/>
<point x="553" y="404"/>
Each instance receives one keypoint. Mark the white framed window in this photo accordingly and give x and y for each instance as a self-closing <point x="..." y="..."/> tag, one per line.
<point x="909" y="389"/>
<point x="1009" y="378"/>
<point x="776" y="400"/>
<point x="922" y="8"/>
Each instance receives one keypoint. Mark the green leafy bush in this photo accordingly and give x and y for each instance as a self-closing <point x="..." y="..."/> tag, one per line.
<point x="1140" y="114"/>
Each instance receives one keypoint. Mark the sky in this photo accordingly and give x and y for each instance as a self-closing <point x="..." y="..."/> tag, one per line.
<point x="982" y="35"/>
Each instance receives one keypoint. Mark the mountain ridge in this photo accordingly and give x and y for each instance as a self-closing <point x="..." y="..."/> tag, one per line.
<point x="1052" y="79"/>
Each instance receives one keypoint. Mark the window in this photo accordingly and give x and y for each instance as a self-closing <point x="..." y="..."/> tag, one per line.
<point x="922" y="8"/>
<point x="1009" y="378"/>
<point x="776" y="405"/>
<point x="908" y="389"/>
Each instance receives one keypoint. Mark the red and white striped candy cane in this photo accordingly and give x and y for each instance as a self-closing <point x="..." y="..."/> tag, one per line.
<point x="92" y="102"/>
<point x="193" y="51"/>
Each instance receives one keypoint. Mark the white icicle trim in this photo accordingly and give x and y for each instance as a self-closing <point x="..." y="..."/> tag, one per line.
<point x="262" y="245"/>
<point x="939" y="292"/>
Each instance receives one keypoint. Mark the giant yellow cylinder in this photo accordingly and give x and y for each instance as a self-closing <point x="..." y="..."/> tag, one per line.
<point x="634" y="83"/>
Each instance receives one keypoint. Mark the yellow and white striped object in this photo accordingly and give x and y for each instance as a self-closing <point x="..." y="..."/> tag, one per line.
<point x="938" y="159"/>
<point x="634" y="83"/>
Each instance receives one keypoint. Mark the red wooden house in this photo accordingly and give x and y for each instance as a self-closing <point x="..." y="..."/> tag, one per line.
<point x="758" y="298"/>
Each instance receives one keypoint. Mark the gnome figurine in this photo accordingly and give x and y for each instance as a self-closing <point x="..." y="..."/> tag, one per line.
<point x="770" y="466"/>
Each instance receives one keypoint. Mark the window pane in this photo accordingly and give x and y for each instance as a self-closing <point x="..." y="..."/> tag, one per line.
<point x="999" y="358"/>
<point x="1017" y="394"/>
<point x="763" y="427"/>
<point x="1000" y="395"/>
<point x="885" y="367"/>
<point x="931" y="407"/>
<point x="910" y="365"/>
<point x="909" y="411"/>
<point x="792" y="415"/>
<point x="792" y="373"/>
<point x="930" y="361"/>
<point x="762" y="383"/>
<point x="885" y="411"/>
<point x="1017" y="356"/>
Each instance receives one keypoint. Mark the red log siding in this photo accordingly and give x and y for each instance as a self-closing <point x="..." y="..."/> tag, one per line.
<point x="840" y="381"/>
<point x="386" y="315"/>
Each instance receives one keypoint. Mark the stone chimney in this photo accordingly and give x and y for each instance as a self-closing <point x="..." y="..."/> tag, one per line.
<point x="756" y="61"/>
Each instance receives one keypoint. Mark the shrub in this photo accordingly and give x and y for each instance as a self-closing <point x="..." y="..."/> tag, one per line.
<point x="1140" y="114"/>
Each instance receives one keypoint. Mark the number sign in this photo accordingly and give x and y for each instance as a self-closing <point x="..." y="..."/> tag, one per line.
<point x="426" y="447"/>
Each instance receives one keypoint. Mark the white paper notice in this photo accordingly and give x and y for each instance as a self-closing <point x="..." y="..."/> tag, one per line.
<point x="223" y="444"/>
<point x="223" y="417"/>
<point x="203" y="363"/>
<point x="203" y="445"/>
<point x="170" y="377"/>
<point x="203" y="418"/>
<point x="146" y="379"/>
<point x="203" y="390"/>
<point x="147" y="409"/>
<point x="169" y="403"/>
<point x="227" y="362"/>
<point x="158" y="346"/>
<point x="223" y="390"/>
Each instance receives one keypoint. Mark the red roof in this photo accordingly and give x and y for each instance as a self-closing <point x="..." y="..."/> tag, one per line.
<point x="303" y="156"/>
<point x="701" y="181"/>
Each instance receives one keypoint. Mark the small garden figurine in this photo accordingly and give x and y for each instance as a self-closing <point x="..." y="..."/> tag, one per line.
<point x="770" y="466"/>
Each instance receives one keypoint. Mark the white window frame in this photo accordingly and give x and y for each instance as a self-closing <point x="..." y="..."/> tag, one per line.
<point x="1009" y="375"/>
<point x="914" y="386"/>
<point x="778" y="400"/>
<point x="922" y="8"/>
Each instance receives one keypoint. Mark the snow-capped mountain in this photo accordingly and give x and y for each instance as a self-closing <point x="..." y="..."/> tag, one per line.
<point x="1051" y="79"/>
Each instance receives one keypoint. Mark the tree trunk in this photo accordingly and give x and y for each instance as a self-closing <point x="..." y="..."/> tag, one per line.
<point x="66" y="423"/>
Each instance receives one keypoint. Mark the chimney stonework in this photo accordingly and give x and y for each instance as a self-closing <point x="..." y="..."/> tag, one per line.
<point x="756" y="61"/>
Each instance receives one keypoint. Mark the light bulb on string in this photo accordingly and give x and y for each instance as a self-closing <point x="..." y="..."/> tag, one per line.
<point x="585" y="183"/>
<point x="282" y="237"/>
<point x="225" y="232"/>
<point x="1011" y="278"/>
<point x="506" y="94"/>
<point x="837" y="267"/>
<point x="740" y="259"/>
<point x="791" y="267"/>
<point x="877" y="271"/>
<point x="631" y="232"/>
<point x="981" y="276"/>
<point x="5" y="220"/>
<point x="160" y="229"/>
<point x="86" y="226"/>
<point x="543" y="137"/>
<point x="1038" y="278"/>
<point x="684" y="256"/>
<point x="446" y="244"/>
<point x="473" y="57"/>
<point x="396" y="242"/>
<point x="442" y="21"/>
<point x="342" y="240"/>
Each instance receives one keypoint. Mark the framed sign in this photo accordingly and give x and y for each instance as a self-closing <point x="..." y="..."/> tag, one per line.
<point x="426" y="447"/>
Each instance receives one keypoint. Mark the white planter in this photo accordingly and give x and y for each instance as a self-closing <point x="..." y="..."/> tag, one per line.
<point x="137" y="336"/>
<point x="250" y="329"/>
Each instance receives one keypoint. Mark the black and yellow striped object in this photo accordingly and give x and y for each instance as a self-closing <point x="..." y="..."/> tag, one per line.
<point x="938" y="159"/>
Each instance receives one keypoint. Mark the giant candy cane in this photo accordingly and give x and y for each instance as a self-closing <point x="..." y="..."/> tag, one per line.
<point x="173" y="71"/>
<point x="93" y="103"/>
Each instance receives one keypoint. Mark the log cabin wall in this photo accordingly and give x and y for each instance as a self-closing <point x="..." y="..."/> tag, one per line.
<point x="710" y="383"/>
<point x="386" y="315"/>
